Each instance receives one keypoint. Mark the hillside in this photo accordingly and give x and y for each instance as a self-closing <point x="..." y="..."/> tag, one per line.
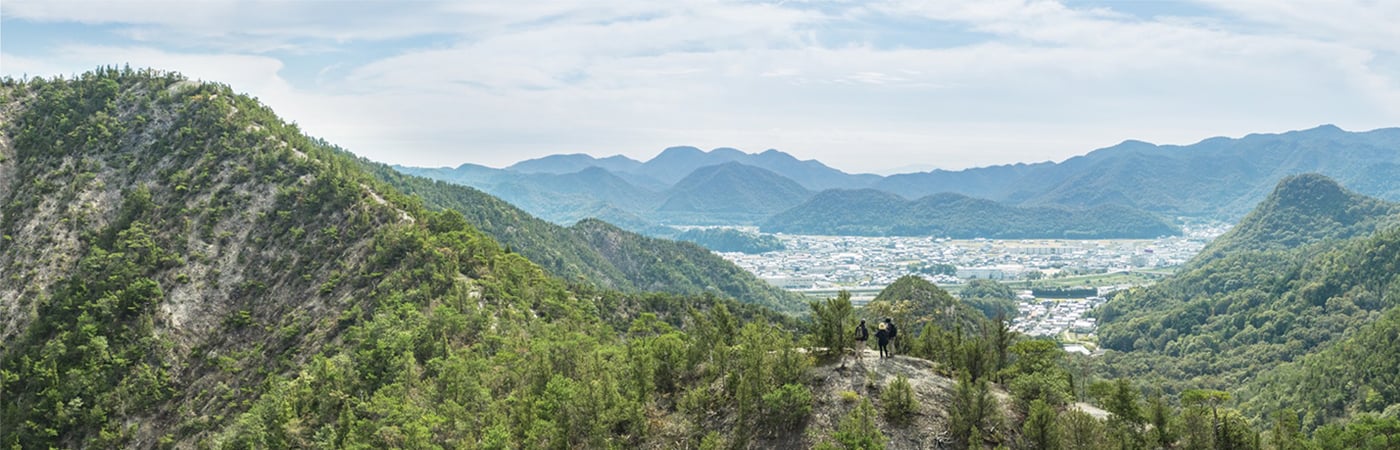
<point x="1269" y="292"/>
<point x="218" y="280"/>
<point x="1304" y="209"/>
<point x="198" y="246"/>
<point x="869" y="212"/>
<point x="921" y="303"/>
<point x="591" y="252"/>
<point x="562" y="198"/>
<point x="732" y="189"/>
<point x="731" y="240"/>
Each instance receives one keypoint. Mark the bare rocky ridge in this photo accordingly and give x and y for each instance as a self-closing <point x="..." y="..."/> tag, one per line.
<point x="238" y="298"/>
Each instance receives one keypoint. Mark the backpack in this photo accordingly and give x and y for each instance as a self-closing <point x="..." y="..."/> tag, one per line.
<point x="862" y="333"/>
<point x="893" y="331"/>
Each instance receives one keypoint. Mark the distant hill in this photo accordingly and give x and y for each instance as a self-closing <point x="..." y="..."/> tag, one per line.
<point x="1304" y="209"/>
<point x="561" y="164"/>
<point x="1312" y="265"/>
<point x="983" y="182"/>
<point x="929" y="305"/>
<point x="870" y="212"/>
<point x="733" y="189"/>
<point x="675" y="163"/>
<point x="598" y="184"/>
<point x="1217" y="177"/>
<point x="731" y="240"/>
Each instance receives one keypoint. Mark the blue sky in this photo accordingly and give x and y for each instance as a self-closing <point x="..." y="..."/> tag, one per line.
<point x="861" y="85"/>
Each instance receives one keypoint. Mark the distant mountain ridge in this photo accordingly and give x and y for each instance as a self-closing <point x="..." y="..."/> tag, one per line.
<point x="675" y="163"/>
<point x="1219" y="178"/>
<point x="868" y="212"/>
<point x="734" y="188"/>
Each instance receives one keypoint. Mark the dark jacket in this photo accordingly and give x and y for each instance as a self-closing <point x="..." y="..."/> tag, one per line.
<point x="883" y="336"/>
<point x="862" y="333"/>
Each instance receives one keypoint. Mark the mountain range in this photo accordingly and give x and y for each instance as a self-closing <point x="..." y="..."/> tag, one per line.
<point x="1103" y="190"/>
<point x="868" y="212"/>
<point x="184" y="269"/>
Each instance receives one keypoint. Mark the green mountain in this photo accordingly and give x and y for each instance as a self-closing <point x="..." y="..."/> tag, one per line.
<point x="207" y="276"/>
<point x="731" y="240"/>
<point x="927" y="304"/>
<point x="732" y="189"/>
<point x="869" y="212"/>
<point x="195" y="250"/>
<point x="1296" y="277"/>
<point x="1304" y="209"/>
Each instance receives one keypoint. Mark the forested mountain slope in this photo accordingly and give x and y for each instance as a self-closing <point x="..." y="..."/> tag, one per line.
<point x="595" y="253"/>
<point x="183" y="267"/>
<point x="169" y="245"/>
<point x="1301" y="273"/>
<point x="1303" y="210"/>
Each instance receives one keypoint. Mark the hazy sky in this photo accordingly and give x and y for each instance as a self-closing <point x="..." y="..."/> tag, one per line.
<point x="860" y="85"/>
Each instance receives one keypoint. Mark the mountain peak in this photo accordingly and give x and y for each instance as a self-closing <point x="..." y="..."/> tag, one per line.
<point x="1325" y="128"/>
<point x="679" y="150"/>
<point x="1304" y="209"/>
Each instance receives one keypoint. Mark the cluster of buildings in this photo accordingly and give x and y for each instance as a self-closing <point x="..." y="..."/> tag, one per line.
<point x="1057" y="318"/>
<point x="855" y="262"/>
<point x="864" y="265"/>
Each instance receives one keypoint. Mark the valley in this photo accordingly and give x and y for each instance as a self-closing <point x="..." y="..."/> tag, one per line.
<point x="821" y="266"/>
<point x="825" y="263"/>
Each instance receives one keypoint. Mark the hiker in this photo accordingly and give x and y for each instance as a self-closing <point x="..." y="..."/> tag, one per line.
<point x="894" y="333"/>
<point x="882" y="337"/>
<point x="862" y="334"/>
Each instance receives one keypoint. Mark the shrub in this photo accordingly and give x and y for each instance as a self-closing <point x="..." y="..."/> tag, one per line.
<point x="858" y="429"/>
<point x="898" y="400"/>
<point x="788" y="406"/>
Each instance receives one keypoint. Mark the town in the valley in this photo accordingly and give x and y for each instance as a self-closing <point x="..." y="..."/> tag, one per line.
<point x="1076" y="273"/>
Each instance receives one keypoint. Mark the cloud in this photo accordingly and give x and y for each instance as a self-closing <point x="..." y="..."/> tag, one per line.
<point x="860" y="85"/>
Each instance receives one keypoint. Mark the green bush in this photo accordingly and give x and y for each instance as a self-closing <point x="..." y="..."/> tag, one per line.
<point x="788" y="406"/>
<point x="898" y="400"/>
<point x="858" y="430"/>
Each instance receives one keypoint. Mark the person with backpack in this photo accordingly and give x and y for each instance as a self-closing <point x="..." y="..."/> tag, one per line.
<point x="882" y="338"/>
<point x="894" y="332"/>
<point x="862" y="334"/>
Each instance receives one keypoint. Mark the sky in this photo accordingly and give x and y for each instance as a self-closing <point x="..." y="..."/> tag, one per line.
<point x="863" y="86"/>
